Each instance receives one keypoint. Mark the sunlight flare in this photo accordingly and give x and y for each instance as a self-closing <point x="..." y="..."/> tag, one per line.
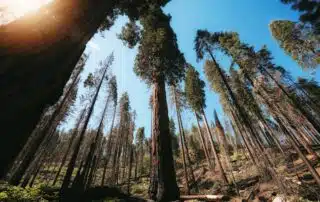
<point x="20" y="7"/>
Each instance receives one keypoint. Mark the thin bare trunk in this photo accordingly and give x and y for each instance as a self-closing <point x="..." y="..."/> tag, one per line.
<point x="109" y="148"/>
<point x="302" y="156"/>
<point x="220" y="168"/>
<point x="205" y="149"/>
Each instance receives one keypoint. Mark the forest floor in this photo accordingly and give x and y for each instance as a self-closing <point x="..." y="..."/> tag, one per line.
<point x="298" y="182"/>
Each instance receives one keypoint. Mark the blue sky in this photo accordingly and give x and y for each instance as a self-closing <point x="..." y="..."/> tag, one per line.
<point x="250" y="18"/>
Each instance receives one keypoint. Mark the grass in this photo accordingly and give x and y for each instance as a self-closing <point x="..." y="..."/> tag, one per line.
<point x="244" y="172"/>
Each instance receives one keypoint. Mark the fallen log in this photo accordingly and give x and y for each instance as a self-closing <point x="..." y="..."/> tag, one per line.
<point x="253" y="193"/>
<point x="205" y="197"/>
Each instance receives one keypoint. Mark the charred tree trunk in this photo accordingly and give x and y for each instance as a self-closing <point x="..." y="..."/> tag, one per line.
<point x="73" y="159"/>
<point x="33" y="169"/>
<point x="108" y="147"/>
<point x="64" y="158"/>
<point x="43" y="133"/>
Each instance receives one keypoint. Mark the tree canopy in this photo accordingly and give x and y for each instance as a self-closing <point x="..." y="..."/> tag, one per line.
<point x="194" y="89"/>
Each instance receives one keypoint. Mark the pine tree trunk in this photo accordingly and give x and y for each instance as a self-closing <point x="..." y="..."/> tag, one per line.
<point x="40" y="166"/>
<point x="130" y="168"/>
<point x="91" y="173"/>
<point x="185" y="143"/>
<point x="98" y="137"/>
<point x="141" y="160"/>
<point x="167" y="188"/>
<point x="117" y="154"/>
<point x="136" y="164"/>
<point x="297" y="138"/>
<point x="118" y="160"/>
<point x="220" y="168"/>
<point x="50" y="163"/>
<point x="184" y="165"/>
<point x="109" y="148"/>
<point x="182" y="147"/>
<point x="302" y="156"/>
<point x="273" y="137"/>
<point x="33" y="168"/>
<point x="114" y="163"/>
<point x="206" y="152"/>
<point x="72" y="138"/>
<point x="246" y="142"/>
<point x="225" y="151"/>
<point x="73" y="159"/>
<point x="265" y="155"/>
<point x="44" y="133"/>
<point x="79" y="184"/>
<point x="124" y="156"/>
<point x="295" y="103"/>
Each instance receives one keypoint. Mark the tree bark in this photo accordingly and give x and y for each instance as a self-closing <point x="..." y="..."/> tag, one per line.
<point x="109" y="148"/>
<point x="136" y="163"/>
<point x="295" y="102"/>
<point x="221" y="170"/>
<point x="245" y="141"/>
<point x="73" y="136"/>
<point x="225" y="150"/>
<point x="203" y="144"/>
<point x="40" y="51"/>
<point x="182" y="146"/>
<point x="73" y="159"/>
<point x="130" y="167"/>
<point x="167" y="189"/>
<point x="302" y="156"/>
<point x="261" y="149"/>
<point x="43" y="133"/>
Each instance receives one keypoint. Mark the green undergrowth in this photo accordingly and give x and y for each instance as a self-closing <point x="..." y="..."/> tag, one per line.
<point x="140" y="187"/>
<point x="38" y="193"/>
<point x="15" y="193"/>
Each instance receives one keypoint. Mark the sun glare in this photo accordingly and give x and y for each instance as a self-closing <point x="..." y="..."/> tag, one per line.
<point x="20" y="7"/>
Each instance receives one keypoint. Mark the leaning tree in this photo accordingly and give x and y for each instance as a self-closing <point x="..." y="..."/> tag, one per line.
<point x="309" y="10"/>
<point x="194" y="89"/>
<point x="113" y="91"/>
<point x="205" y="44"/>
<point x="95" y="85"/>
<point x="297" y="41"/>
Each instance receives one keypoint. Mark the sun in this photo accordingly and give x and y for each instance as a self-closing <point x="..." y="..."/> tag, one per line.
<point x="20" y="7"/>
